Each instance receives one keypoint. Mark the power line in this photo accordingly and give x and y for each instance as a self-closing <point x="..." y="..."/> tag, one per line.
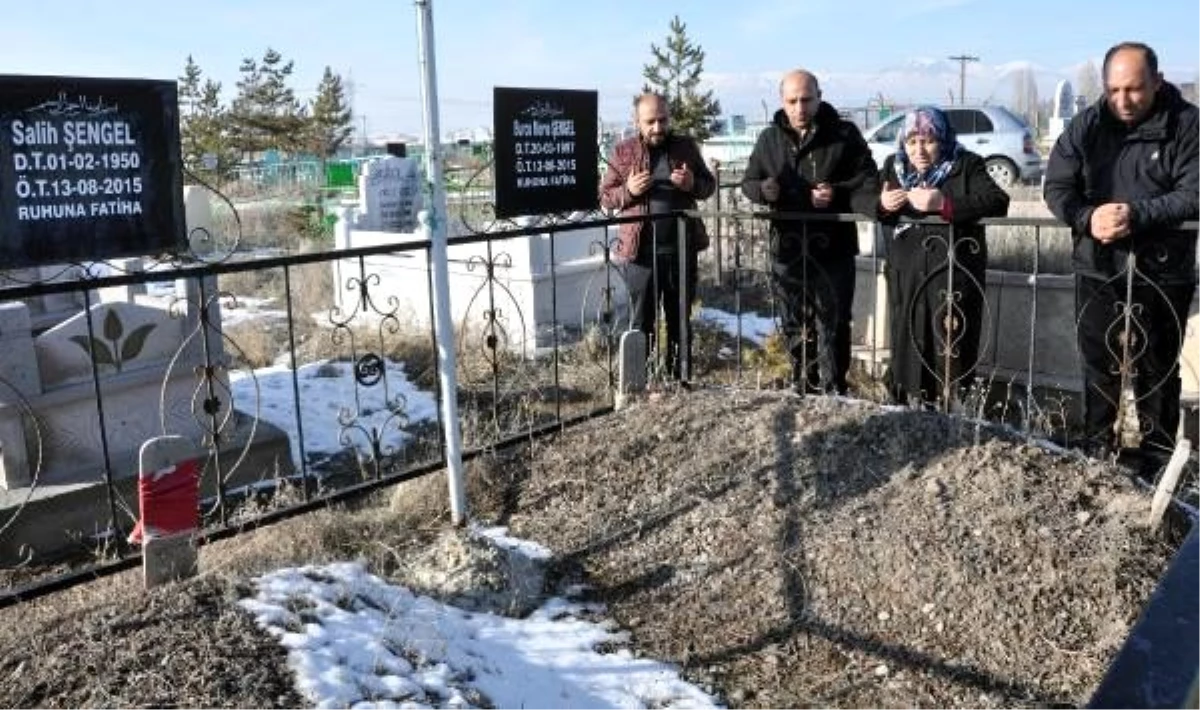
<point x="962" y="60"/>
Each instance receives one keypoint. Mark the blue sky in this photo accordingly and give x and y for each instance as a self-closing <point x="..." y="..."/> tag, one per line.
<point x="858" y="48"/>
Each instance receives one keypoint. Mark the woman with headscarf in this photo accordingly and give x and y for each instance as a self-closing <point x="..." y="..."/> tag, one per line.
<point x="936" y="303"/>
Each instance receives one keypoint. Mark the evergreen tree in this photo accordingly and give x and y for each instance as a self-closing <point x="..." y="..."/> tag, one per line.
<point x="330" y="122"/>
<point x="266" y="114"/>
<point x="675" y="73"/>
<point x="202" y="122"/>
<point x="189" y="87"/>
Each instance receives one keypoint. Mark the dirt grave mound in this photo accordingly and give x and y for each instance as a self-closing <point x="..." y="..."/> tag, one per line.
<point x="785" y="552"/>
<point x="794" y="552"/>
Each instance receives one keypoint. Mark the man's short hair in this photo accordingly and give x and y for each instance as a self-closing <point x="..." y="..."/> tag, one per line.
<point x="1147" y="53"/>
<point x="647" y="96"/>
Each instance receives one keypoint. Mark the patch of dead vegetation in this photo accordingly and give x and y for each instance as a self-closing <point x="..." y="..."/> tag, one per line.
<point x="179" y="645"/>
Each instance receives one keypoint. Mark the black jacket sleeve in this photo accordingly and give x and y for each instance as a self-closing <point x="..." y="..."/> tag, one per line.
<point x="1063" y="190"/>
<point x="983" y="197"/>
<point x="703" y="182"/>
<point x="863" y="183"/>
<point x="756" y="170"/>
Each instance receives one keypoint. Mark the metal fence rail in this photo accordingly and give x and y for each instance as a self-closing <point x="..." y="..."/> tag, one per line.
<point x="541" y="307"/>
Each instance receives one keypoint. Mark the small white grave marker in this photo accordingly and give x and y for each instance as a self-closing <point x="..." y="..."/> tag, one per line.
<point x="631" y="374"/>
<point x="169" y="500"/>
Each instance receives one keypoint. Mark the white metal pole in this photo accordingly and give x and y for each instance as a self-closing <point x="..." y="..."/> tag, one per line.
<point x="433" y="222"/>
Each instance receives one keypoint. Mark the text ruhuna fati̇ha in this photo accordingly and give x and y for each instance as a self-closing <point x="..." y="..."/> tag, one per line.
<point x="74" y="210"/>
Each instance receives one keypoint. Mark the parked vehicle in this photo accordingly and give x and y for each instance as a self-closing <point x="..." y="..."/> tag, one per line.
<point x="998" y="135"/>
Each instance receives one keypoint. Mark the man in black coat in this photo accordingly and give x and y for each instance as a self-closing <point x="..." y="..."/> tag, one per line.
<point x="1124" y="176"/>
<point x="811" y="161"/>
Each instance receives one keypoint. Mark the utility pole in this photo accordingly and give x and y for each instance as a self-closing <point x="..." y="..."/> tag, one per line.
<point x="352" y="90"/>
<point x="962" y="60"/>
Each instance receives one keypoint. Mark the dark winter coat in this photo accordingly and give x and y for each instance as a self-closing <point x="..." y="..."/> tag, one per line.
<point x="917" y="285"/>
<point x="834" y="153"/>
<point x="631" y="155"/>
<point x="1153" y="167"/>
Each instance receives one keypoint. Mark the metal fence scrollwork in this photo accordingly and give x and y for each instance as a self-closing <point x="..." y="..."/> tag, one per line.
<point x="950" y="304"/>
<point x="376" y="420"/>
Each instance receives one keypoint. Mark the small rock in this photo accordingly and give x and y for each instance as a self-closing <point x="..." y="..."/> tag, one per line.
<point x="934" y="487"/>
<point x="928" y="608"/>
<point x="940" y="627"/>
<point x="883" y="616"/>
<point x="881" y="670"/>
<point x="1082" y="517"/>
<point x="1043" y="531"/>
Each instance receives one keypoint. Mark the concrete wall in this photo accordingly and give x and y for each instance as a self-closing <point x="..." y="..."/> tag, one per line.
<point x="528" y="296"/>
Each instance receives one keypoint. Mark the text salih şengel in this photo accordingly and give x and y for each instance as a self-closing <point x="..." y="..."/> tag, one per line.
<point x="545" y="152"/>
<point x="68" y="169"/>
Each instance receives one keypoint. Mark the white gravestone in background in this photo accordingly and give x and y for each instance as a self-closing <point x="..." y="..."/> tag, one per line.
<point x="1064" y="109"/>
<point x="390" y="193"/>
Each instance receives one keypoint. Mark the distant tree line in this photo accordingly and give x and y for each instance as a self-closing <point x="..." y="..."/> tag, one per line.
<point x="265" y="115"/>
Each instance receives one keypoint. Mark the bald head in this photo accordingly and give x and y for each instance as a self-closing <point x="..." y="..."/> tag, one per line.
<point x="1131" y="81"/>
<point x="800" y="95"/>
<point x="800" y="76"/>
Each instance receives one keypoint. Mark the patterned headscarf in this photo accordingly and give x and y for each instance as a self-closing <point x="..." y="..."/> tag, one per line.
<point x="926" y="121"/>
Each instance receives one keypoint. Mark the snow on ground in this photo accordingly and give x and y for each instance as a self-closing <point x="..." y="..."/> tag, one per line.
<point x="328" y="390"/>
<point x="754" y="327"/>
<point x="247" y="309"/>
<point x="356" y="641"/>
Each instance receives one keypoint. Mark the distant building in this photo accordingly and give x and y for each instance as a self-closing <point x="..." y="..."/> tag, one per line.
<point x="478" y="134"/>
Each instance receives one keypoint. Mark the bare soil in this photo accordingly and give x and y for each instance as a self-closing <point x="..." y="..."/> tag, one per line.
<point x="159" y="649"/>
<point x="824" y="552"/>
<point x="785" y="552"/>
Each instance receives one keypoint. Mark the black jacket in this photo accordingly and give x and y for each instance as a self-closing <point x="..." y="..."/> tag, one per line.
<point x="835" y="153"/>
<point x="1152" y="166"/>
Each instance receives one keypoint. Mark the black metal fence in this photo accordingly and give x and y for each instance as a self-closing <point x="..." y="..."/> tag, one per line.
<point x="316" y="372"/>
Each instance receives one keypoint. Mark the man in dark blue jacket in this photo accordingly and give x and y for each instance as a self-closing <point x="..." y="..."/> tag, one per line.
<point x="1124" y="176"/>
<point x="810" y="160"/>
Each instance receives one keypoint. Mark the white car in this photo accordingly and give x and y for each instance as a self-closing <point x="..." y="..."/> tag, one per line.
<point x="996" y="134"/>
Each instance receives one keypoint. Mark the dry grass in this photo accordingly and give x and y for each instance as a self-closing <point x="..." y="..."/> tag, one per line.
<point x="780" y="550"/>
<point x="179" y="645"/>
